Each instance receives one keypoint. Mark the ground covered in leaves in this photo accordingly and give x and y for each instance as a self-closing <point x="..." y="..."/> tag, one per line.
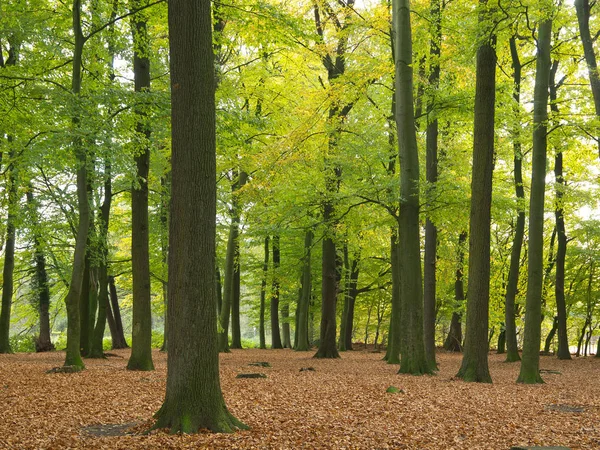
<point x="340" y="404"/>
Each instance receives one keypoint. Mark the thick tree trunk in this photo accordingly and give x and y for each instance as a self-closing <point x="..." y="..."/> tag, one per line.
<point x="531" y="342"/>
<point x="561" y="237"/>
<point x="474" y="365"/>
<point x="582" y="8"/>
<point x="9" y="256"/>
<point x="302" y="342"/>
<point x="512" y="351"/>
<point x="412" y="346"/>
<point x="430" y="259"/>
<point x="193" y="399"/>
<point x="141" y="334"/>
<point x="118" y="339"/>
<point x="263" y="296"/>
<point x="275" y="334"/>
<point x="453" y="341"/>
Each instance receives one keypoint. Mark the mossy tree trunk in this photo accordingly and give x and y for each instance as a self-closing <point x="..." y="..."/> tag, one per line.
<point x="9" y="255"/>
<point x="141" y="333"/>
<point x="73" y="354"/>
<point x="533" y="302"/>
<point x="412" y="347"/>
<point x="474" y="365"/>
<point x="193" y="399"/>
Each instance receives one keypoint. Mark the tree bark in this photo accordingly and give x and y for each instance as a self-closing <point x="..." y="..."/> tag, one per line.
<point x="275" y="334"/>
<point x="512" y="351"/>
<point x="263" y="295"/>
<point x="533" y="314"/>
<point x="412" y="348"/>
<point x="431" y="174"/>
<point x="73" y="354"/>
<point x="141" y="333"/>
<point x="561" y="236"/>
<point x="474" y="365"/>
<point x="193" y="397"/>
<point x="582" y="8"/>
<point x="9" y="256"/>
<point x="302" y="343"/>
<point x="118" y="339"/>
<point x="392" y="355"/>
<point x="453" y="341"/>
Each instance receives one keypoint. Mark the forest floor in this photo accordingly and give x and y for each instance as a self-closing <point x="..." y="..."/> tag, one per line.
<point x="341" y="404"/>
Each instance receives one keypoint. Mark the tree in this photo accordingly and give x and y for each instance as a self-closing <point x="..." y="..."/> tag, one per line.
<point x="275" y="334"/>
<point x="193" y="397"/>
<point x="301" y="343"/>
<point x="453" y="341"/>
<point x="531" y="342"/>
<point x="412" y="347"/>
<point x="474" y="365"/>
<point x="141" y="336"/>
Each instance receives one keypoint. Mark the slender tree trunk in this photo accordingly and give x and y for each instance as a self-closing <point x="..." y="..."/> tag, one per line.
<point x="9" y="256"/>
<point x="141" y="335"/>
<point x="193" y="397"/>
<point x="512" y="351"/>
<point x="236" y="332"/>
<point x="302" y="342"/>
<point x="550" y="337"/>
<point x="84" y="299"/>
<point x="393" y="349"/>
<point x="230" y="262"/>
<point x="561" y="237"/>
<point x="474" y="365"/>
<point x="531" y="342"/>
<point x="97" y="349"/>
<point x="164" y="249"/>
<point x="429" y="270"/>
<point x="582" y="8"/>
<point x="43" y="342"/>
<point x="453" y="341"/>
<point x="73" y="354"/>
<point x="286" y="339"/>
<point x="275" y="334"/>
<point x="263" y="295"/>
<point x="351" y="272"/>
<point x="118" y="339"/>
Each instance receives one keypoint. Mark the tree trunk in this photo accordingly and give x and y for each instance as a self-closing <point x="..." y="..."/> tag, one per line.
<point x="118" y="339"/>
<point x="392" y="355"/>
<point x="474" y="365"/>
<point x="84" y="299"/>
<point x="165" y="184"/>
<point x="582" y="8"/>
<point x="73" y="354"/>
<point x="263" y="295"/>
<point x="561" y="237"/>
<point x="141" y="335"/>
<point x="275" y="335"/>
<point x="286" y="339"/>
<point x="351" y="271"/>
<point x="412" y="346"/>
<point x="43" y="342"/>
<point x="230" y="263"/>
<point x="302" y="342"/>
<point x="512" y="351"/>
<point x="531" y="342"/>
<point x="236" y="332"/>
<point x="550" y="337"/>
<point x="9" y="256"/>
<point x="430" y="259"/>
<point x="193" y="399"/>
<point x="97" y="350"/>
<point x="453" y="341"/>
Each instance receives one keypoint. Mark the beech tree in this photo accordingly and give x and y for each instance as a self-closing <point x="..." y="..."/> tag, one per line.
<point x="193" y="398"/>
